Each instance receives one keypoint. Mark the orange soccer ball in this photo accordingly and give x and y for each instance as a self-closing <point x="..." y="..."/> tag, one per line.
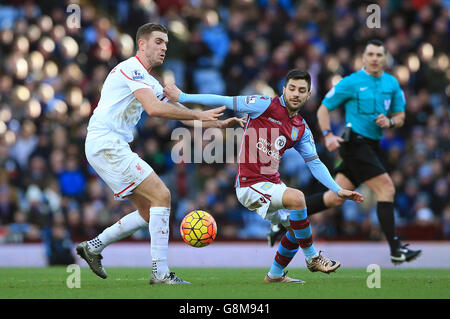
<point x="198" y="228"/>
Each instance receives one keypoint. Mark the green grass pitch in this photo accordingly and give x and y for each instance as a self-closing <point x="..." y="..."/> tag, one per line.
<point x="223" y="283"/>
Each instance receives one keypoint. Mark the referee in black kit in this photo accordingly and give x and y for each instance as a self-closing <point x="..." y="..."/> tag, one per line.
<point x="373" y="101"/>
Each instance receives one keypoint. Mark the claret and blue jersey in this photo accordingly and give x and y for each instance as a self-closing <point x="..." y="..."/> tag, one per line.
<point x="365" y="97"/>
<point x="269" y="132"/>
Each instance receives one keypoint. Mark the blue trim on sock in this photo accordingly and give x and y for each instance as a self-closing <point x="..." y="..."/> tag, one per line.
<point x="291" y="238"/>
<point x="298" y="214"/>
<point x="286" y="252"/>
<point x="276" y="269"/>
<point x="303" y="233"/>
<point x="310" y="251"/>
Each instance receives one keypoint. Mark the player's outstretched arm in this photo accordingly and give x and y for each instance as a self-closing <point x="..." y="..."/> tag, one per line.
<point x="253" y="105"/>
<point x="229" y="122"/>
<point x="174" y="94"/>
<point x="157" y="108"/>
<point x="321" y="173"/>
<point x="350" y="195"/>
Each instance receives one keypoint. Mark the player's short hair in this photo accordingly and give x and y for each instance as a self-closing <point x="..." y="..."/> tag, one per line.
<point x="297" y="74"/>
<point x="377" y="43"/>
<point x="146" y="29"/>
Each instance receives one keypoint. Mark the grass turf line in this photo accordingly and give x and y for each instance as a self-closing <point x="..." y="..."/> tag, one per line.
<point x="220" y="283"/>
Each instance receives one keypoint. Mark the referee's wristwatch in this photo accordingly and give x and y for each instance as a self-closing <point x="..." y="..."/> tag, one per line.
<point x="391" y="122"/>
<point x="326" y="132"/>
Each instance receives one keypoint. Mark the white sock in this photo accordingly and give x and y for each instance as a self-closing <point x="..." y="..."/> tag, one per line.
<point x="159" y="233"/>
<point x="272" y="276"/>
<point x="124" y="227"/>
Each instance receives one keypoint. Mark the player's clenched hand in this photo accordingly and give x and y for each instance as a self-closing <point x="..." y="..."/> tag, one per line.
<point x="351" y="195"/>
<point x="332" y="142"/>
<point x="172" y="92"/>
<point x="232" y="121"/>
<point x="382" y="121"/>
<point x="210" y="115"/>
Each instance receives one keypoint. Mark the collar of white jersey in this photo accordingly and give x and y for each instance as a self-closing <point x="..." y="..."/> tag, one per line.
<point x="148" y="70"/>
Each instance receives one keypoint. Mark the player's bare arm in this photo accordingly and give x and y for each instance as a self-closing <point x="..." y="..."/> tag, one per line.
<point x="154" y="107"/>
<point x="332" y="142"/>
<point x="230" y="122"/>
<point x="396" y="120"/>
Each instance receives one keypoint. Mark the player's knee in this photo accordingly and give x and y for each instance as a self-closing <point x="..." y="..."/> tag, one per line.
<point x="165" y="197"/>
<point x="294" y="199"/>
<point x="145" y="213"/>
<point x="390" y="189"/>
<point x="386" y="190"/>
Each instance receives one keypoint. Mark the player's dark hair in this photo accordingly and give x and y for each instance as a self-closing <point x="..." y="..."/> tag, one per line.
<point x="146" y="29"/>
<point x="377" y="43"/>
<point x="297" y="74"/>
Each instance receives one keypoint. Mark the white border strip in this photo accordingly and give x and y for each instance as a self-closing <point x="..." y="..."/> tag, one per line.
<point x="235" y="254"/>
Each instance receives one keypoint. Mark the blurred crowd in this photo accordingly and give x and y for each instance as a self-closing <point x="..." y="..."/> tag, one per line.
<point x="51" y="74"/>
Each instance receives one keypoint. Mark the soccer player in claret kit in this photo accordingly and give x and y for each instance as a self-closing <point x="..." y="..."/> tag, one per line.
<point x="274" y="125"/>
<point x="128" y="90"/>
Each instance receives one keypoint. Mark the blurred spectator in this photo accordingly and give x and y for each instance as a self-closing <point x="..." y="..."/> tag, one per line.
<point x="9" y="199"/>
<point x="72" y="180"/>
<point x="58" y="245"/>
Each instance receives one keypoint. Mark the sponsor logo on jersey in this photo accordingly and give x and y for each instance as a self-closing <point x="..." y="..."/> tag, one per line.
<point x="264" y="146"/>
<point x="280" y="142"/>
<point x="387" y="103"/>
<point x="275" y="121"/>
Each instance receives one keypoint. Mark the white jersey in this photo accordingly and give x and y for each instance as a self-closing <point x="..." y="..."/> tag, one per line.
<point x="118" y="110"/>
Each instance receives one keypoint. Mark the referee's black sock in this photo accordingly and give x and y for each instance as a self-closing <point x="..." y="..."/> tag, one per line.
<point x="385" y="213"/>
<point x="315" y="203"/>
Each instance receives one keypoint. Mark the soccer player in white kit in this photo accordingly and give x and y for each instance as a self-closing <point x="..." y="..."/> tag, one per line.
<point x="128" y="90"/>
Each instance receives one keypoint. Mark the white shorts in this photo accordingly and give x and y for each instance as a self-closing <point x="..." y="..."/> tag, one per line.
<point x="266" y="199"/>
<point x="120" y="168"/>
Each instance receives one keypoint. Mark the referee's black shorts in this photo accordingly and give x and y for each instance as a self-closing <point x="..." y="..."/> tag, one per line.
<point x="361" y="159"/>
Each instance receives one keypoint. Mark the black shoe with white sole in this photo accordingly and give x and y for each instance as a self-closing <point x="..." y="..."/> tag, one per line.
<point x="403" y="253"/>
